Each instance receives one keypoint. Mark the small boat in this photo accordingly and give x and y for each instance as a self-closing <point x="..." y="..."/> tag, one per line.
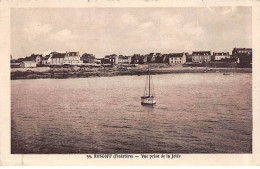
<point x="148" y="98"/>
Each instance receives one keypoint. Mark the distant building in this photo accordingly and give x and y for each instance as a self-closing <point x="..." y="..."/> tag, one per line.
<point x="88" y="58"/>
<point x="243" y="54"/>
<point x="152" y="57"/>
<point x="105" y="60"/>
<point x="135" y="59"/>
<point x="110" y="59"/>
<point x="99" y="60"/>
<point x="188" y="57"/>
<point x="159" y="58"/>
<point x="124" y="59"/>
<point x="72" y="58"/>
<point x="26" y="64"/>
<point x="56" y="58"/>
<point x="177" y="58"/>
<point x="220" y="55"/>
<point x="201" y="56"/>
<point x="165" y="58"/>
<point x="145" y="59"/>
<point x="46" y="60"/>
<point x="36" y="58"/>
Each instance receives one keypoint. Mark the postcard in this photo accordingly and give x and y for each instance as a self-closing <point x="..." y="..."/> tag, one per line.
<point x="141" y="82"/>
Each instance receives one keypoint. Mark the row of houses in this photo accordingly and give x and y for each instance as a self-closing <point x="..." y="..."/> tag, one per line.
<point x="239" y="55"/>
<point x="116" y="59"/>
<point x="54" y="58"/>
<point x="68" y="58"/>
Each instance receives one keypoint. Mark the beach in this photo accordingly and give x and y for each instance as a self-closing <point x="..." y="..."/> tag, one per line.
<point x="106" y="71"/>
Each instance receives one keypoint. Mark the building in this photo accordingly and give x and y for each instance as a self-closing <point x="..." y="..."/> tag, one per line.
<point x="46" y="60"/>
<point x="36" y="58"/>
<point x="106" y="60"/>
<point x="145" y="59"/>
<point x="159" y="58"/>
<point x="177" y="58"/>
<point x="152" y="57"/>
<point x="188" y="58"/>
<point x="201" y="56"/>
<point x="99" y="60"/>
<point x="165" y="58"/>
<point x="72" y="58"/>
<point x="135" y="59"/>
<point x="244" y="55"/>
<point x="220" y="56"/>
<point x="110" y="59"/>
<point x="88" y="58"/>
<point x="113" y="59"/>
<point x="124" y="59"/>
<point x="56" y="58"/>
<point x="25" y="64"/>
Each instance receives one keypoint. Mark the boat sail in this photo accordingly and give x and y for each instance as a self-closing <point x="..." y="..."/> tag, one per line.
<point x="148" y="98"/>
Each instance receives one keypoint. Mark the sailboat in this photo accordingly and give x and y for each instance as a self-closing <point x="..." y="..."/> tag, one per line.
<point x="148" y="98"/>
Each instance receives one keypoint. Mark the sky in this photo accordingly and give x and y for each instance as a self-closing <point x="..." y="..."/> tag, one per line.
<point x="127" y="31"/>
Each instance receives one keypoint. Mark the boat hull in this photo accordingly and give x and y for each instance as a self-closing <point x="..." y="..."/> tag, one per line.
<point x="148" y="100"/>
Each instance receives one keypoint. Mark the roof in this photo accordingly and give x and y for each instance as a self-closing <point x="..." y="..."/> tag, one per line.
<point x="220" y="53"/>
<point x="33" y="56"/>
<point x="58" y="55"/>
<point x="242" y="48"/>
<point x="46" y="57"/>
<point x="54" y="52"/>
<point x="28" y="62"/>
<point x="201" y="53"/>
<point x="72" y="53"/>
<point x="87" y="55"/>
<point x="36" y="55"/>
<point x="123" y="57"/>
<point x="175" y="54"/>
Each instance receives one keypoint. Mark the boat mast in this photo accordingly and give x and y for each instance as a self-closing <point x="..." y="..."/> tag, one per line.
<point x="149" y="77"/>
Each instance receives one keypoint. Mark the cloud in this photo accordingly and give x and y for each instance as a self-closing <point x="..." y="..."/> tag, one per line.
<point x="62" y="35"/>
<point x="64" y="40"/>
<point x="36" y="29"/>
<point x="127" y="30"/>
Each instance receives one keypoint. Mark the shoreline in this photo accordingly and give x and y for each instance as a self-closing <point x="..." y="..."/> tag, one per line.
<point x="65" y="73"/>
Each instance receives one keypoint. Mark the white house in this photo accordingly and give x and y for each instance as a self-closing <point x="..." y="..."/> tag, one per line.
<point x="177" y="58"/>
<point x="25" y="64"/>
<point x="220" y="55"/>
<point x="72" y="58"/>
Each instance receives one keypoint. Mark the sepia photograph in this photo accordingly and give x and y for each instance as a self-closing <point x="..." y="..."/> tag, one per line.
<point x="131" y="80"/>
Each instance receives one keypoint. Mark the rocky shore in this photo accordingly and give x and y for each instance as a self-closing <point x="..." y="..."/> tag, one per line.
<point x="106" y="71"/>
